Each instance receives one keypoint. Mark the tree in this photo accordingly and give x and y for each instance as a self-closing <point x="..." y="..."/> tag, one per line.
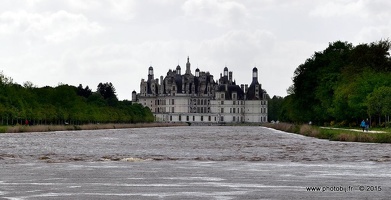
<point x="274" y="108"/>
<point x="65" y="103"/>
<point x="107" y="91"/>
<point x="4" y="80"/>
<point x="334" y="84"/>
<point x="84" y="92"/>
<point x="379" y="102"/>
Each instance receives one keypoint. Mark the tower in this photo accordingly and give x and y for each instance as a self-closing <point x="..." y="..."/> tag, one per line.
<point x="178" y="70"/>
<point x="255" y="75"/>
<point x="188" y="66"/>
<point x="134" y="96"/>
<point x="150" y="73"/>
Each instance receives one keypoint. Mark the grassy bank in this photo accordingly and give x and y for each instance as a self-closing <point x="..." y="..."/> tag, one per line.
<point x="333" y="134"/>
<point x="48" y="128"/>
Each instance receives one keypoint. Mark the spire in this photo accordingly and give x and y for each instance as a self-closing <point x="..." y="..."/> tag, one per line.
<point x="188" y="66"/>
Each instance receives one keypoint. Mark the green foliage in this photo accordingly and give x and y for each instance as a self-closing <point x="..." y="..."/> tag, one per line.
<point x="64" y="104"/>
<point x="274" y="105"/>
<point x="341" y="83"/>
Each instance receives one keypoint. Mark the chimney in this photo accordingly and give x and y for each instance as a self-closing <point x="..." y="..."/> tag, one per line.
<point x="230" y="77"/>
<point x="246" y="87"/>
<point x="242" y="87"/>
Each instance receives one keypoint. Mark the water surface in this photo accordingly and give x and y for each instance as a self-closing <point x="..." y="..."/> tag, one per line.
<point x="190" y="163"/>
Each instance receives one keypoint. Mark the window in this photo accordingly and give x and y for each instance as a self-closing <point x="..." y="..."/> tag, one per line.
<point x="233" y="118"/>
<point x="209" y="118"/>
<point x="230" y="110"/>
<point x="202" y="118"/>
<point x="172" y="101"/>
<point x="193" y="118"/>
<point x="222" y="118"/>
<point x="222" y="102"/>
<point x="172" y="109"/>
<point x="222" y="96"/>
<point x="222" y="110"/>
<point x="170" y="118"/>
<point x="180" y="118"/>
<point x="187" y="118"/>
<point x="234" y="110"/>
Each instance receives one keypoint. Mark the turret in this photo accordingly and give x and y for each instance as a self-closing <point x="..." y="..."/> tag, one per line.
<point x="134" y="96"/>
<point x="197" y="72"/>
<point x="225" y="71"/>
<point x="178" y="70"/>
<point x="150" y="73"/>
<point x="255" y="75"/>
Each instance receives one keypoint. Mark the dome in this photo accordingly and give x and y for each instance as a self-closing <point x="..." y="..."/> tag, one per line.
<point x="150" y="68"/>
<point x="255" y="69"/>
<point x="178" y="67"/>
<point x="225" y="68"/>
<point x="197" y="70"/>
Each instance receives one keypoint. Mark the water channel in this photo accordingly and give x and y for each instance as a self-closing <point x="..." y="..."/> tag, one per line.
<point x="204" y="162"/>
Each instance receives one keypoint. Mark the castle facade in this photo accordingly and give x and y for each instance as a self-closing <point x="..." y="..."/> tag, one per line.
<point x="187" y="97"/>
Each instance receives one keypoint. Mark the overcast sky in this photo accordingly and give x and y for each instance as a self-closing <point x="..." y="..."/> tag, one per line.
<point x="87" y="42"/>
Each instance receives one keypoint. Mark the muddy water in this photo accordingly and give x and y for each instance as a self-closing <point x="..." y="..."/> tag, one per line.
<point x="189" y="163"/>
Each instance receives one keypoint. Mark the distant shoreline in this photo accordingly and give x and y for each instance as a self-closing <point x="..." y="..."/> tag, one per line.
<point x="334" y="134"/>
<point x="50" y="128"/>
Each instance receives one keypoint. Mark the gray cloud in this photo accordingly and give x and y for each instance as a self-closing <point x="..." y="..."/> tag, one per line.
<point x="88" y="42"/>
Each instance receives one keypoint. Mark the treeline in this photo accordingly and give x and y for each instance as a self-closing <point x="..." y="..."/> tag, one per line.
<point x="65" y="104"/>
<point x="343" y="85"/>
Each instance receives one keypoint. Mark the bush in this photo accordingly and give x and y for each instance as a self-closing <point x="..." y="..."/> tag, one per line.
<point x="383" y="138"/>
<point x="305" y="130"/>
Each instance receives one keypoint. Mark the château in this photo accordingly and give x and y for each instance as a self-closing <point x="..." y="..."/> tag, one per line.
<point x="188" y="97"/>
